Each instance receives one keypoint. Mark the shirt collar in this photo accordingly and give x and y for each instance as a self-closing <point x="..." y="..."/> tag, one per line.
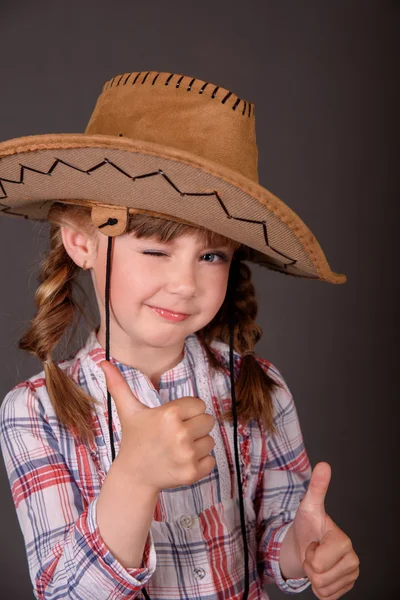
<point x="94" y="353"/>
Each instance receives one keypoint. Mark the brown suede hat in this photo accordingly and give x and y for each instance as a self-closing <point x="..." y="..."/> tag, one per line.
<point x="167" y="145"/>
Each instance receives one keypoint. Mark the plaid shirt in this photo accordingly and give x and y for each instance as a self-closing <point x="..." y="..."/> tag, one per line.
<point x="194" y="548"/>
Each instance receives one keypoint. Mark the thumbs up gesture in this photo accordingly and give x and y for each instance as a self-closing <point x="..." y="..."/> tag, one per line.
<point x="163" y="447"/>
<point x="324" y="550"/>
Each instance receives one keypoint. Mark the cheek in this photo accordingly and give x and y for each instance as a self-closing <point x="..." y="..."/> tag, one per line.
<point x="215" y="290"/>
<point x="135" y="281"/>
<point x="131" y="281"/>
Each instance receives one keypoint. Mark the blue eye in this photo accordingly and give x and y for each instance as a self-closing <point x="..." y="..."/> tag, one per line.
<point x="221" y="255"/>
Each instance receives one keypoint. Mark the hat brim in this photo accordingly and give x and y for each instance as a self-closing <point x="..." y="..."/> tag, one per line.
<point x="37" y="170"/>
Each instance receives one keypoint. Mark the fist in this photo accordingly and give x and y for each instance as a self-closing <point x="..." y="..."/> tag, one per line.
<point x="163" y="447"/>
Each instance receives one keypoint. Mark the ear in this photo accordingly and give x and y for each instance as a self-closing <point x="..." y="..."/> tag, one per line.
<point x="80" y="246"/>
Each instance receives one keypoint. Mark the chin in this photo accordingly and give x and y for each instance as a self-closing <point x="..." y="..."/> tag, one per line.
<point x="158" y="338"/>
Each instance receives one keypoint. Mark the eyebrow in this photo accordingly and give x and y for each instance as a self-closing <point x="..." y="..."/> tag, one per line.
<point x="174" y="242"/>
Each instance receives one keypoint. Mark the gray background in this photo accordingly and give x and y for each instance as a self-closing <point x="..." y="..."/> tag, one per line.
<point x="322" y="76"/>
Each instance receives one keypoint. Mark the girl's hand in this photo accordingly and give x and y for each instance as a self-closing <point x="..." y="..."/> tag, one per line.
<point x="324" y="550"/>
<point x="163" y="447"/>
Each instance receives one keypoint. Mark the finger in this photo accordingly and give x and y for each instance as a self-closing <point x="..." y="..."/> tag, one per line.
<point x="317" y="488"/>
<point x="310" y="555"/>
<point x="200" y="426"/>
<point x="125" y="401"/>
<point x="335" y="547"/>
<point x="344" y="571"/>
<point x="338" y="594"/>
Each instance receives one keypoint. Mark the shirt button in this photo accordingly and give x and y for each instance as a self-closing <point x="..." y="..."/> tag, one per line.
<point x="186" y="521"/>
<point x="199" y="573"/>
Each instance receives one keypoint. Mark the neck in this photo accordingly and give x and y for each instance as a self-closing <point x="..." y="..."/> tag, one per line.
<point x="149" y="360"/>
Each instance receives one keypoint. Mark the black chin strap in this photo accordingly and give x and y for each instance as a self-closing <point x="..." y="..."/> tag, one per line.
<point x="231" y="288"/>
<point x="107" y="305"/>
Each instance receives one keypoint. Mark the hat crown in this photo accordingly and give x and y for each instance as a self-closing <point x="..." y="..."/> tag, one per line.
<point x="181" y="112"/>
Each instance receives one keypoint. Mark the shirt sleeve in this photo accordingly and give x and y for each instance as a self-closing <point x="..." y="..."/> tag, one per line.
<point x="66" y="554"/>
<point x="285" y="474"/>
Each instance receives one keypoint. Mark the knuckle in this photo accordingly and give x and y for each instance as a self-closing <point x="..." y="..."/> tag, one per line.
<point x="185" y="453"/>
<point x="171" y="413"/>
<point x="181" y="437"/>
<point x="318" y="581"/>
<point x="346" y="589"/>
<point x="316" y="566"/>
<point x="347" y="544"/>
<point x="190" y="454"/>
<point x="190" y="475"/>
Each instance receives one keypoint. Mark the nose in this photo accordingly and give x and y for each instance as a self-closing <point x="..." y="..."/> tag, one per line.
<point x="182" y="279"/>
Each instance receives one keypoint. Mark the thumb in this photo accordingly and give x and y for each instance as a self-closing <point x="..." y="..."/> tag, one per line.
<point x="126" y="402"/>
<point x="317" y="488"/>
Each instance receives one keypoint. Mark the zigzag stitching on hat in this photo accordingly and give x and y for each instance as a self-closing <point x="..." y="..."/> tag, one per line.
<point x="106" y="161"/>
<point x="115" y="81"/>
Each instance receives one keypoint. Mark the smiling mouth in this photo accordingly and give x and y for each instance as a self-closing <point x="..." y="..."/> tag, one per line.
<point x="174" y="313"/>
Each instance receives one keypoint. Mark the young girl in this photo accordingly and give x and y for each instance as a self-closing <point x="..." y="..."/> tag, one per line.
<point x="165" y="458"/>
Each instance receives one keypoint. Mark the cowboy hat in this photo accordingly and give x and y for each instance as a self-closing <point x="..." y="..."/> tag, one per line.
<point x="167" y="145"/>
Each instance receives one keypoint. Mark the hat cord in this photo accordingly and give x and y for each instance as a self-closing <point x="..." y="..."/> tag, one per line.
<point x="231" y="286"/>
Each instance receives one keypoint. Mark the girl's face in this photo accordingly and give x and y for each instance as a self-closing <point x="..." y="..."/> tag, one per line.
<point x="180" y="275"/>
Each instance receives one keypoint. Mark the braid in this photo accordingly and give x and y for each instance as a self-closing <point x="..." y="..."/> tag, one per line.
<point x="253" y="386"/>
<point x="56" y="310"/>
<point x="53" y="298"/>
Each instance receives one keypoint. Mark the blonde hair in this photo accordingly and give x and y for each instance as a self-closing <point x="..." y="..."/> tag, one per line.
<point x="57" y="308"/>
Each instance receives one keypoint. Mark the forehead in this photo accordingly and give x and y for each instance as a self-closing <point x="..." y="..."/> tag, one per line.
<point x="196" y="238"/>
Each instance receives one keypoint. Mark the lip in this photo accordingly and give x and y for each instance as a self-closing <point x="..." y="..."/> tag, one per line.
<point x="167" y="314"/>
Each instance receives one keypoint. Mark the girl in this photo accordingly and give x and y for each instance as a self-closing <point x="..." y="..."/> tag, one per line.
<point x="128" y="477"/>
